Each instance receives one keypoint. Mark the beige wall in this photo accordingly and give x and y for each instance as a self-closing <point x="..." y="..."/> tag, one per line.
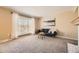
<point x="65" y="26"/>
<point x="5" y="23"/>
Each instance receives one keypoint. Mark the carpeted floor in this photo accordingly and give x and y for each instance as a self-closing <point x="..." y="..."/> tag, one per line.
<point x="31" y="44"/>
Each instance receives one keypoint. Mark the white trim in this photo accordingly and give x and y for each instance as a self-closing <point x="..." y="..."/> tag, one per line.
<point x="66" y="37"/>
<point x="78" y="35"/>
<point x="14" y="19"/>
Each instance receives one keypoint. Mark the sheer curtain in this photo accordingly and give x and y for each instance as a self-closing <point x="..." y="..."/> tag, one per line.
<point x="22" y="25"/>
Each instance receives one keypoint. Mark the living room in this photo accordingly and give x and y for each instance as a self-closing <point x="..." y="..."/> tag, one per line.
<point x="25" y="23"/>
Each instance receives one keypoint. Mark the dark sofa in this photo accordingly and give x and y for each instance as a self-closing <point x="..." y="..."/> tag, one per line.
<point x="47" y="33"/>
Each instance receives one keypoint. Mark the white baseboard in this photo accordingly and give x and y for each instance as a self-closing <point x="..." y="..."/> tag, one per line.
<point x="67" y="37"/>
<point x="5" y="40"/>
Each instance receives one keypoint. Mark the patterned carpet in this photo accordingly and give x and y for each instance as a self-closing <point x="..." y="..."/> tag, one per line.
<point x="33" y="44"/>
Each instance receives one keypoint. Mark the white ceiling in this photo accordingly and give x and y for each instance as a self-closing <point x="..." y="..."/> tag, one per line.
<point x="41" y="11"/>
